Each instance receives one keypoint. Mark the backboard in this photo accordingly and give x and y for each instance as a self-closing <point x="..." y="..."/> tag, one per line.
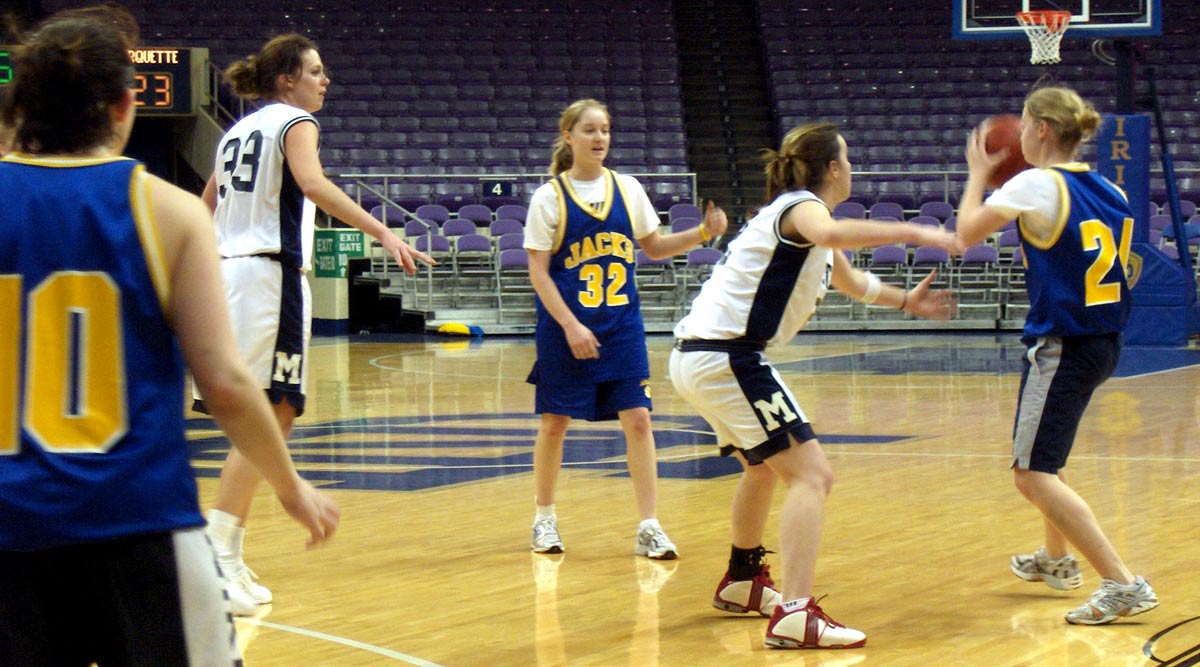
<point x="1094" y="19"/>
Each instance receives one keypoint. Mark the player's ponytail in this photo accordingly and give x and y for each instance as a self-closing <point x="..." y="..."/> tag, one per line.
<point x="802" y="158"/>
<point x="256" y="77"/>
<point x="1072" y="119"/>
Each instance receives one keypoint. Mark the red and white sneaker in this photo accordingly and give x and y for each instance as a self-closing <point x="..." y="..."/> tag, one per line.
<point x="741" y="596"/>
<point x="809" y="627"/>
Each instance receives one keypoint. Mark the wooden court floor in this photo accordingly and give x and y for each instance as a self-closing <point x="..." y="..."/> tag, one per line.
<point x="427" y="446"/>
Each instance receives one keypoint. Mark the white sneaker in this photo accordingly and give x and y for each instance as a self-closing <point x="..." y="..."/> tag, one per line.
<point x="243" y="578"/>
<point x="652" y="542"/>
<point x="1112" y="601"/>
<point x="809" y="627"/>
<point x="545" y="538"/>
<point x="240" y="602"/>
<point x="1060" y="574"/>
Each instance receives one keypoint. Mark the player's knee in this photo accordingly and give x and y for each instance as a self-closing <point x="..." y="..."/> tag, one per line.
<point x="1028" y="483"/>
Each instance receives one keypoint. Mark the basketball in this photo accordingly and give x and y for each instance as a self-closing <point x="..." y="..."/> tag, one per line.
<point x="1004" y="132"/>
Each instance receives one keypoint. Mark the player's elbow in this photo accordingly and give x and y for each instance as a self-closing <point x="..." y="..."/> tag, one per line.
<point x="226" y="390"/>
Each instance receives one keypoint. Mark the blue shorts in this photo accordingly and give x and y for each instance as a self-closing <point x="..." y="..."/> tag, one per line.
<point x="593" y="401"/>
<point x="1059" y="378"/>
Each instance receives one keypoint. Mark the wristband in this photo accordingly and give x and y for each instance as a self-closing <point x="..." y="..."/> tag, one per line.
<point x="704" y="235"/>
<point x="874" y="286"/>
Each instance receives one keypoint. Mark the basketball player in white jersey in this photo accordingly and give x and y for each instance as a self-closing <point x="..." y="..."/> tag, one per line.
<point x="267" y="179"/>
<point x="772" y="278"/>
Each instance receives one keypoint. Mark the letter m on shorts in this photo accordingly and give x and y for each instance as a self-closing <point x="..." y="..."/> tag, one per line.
<point x="287" y="368"/>
<point x="779" y="406"/>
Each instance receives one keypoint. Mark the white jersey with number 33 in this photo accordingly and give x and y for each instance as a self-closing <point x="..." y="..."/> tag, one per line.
<point x="260" y="208"/>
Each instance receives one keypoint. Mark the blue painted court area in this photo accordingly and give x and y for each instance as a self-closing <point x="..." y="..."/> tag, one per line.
<point x="413" y="453"/>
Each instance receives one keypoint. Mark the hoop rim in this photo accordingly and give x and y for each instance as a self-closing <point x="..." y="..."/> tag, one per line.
<point x="1054" y="20"/>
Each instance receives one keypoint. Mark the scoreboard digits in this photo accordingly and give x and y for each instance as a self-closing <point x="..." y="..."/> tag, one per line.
<point x="167" y="79"/>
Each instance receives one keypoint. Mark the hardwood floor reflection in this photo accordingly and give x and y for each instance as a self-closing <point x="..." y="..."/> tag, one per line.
<point x="428" y="446"/>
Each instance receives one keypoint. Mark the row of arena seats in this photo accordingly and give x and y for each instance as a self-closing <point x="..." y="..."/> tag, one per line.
<point x="458" y="87"/>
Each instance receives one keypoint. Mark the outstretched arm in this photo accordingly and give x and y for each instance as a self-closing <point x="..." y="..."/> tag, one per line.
<point x="867" y="288"/>
<point x="811" y="222"/>
<point x="300" y="146"/>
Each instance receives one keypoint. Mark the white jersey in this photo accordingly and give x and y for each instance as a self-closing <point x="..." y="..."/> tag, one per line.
<point x="260" y="208"/>
<point x="766" y="287"/>
<point x="541" y="223"/>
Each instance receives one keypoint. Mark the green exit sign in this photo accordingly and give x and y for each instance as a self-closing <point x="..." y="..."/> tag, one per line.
<point x="6" y="70"/>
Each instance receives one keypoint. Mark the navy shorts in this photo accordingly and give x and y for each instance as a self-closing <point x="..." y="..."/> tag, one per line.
<point x="593" y="401"/>
<point x="1059" y="377"/>
<point x="155" y="599"/>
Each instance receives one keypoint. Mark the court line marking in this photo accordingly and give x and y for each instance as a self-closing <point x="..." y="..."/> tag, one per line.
<point x="378" y="650"/>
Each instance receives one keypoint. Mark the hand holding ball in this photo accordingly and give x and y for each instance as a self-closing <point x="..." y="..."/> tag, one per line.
<point x="1004" y="132"/>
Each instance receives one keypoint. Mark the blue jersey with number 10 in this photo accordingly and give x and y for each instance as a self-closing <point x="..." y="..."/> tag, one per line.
<point x="1076" y="279"/>
<point x="91" y="376"/>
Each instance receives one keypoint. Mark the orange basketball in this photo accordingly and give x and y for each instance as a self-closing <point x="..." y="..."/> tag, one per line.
<point x="1004" y="132"/>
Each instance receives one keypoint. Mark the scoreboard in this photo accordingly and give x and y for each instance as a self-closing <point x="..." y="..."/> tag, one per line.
<point x="168" y="80"/>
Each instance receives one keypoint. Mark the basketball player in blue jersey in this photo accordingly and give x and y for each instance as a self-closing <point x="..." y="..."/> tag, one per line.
<point x="1076" y="228"/>
<point x="267" y="178"/>
<point x="109" y="282"/>
<point x="582" y="233"/>
<point x="774" y="275"/>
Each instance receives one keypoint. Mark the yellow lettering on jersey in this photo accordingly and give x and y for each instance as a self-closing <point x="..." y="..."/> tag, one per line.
<point x="601" y="245"/>
<point x="10" y="355"/>
<point x="75" y="378"/>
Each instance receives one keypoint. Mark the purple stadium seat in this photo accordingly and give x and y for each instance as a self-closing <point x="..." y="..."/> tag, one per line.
<point x="478" y="214"/>
<point x="980" y="254"/>
<point x="513" y="211"/>
<point x="434" y="243"/>
<point x="886" y="209"/>
<point x="849" y="209"/>
<point x="510" y="241"/>
<point x="502" y="226"/>
<point x="888" y="256"/>
<point x="458" y="227"/>
<point x="435" y="212"/>
<point x="926" y="255"/>
<point x="420" y="228"/>
<point x="938" y="209"/>
<point x="472" y="251"/>
<point x="453" y="201"/>
<point x="681" y="224"/>
<point x="684" y="211"/>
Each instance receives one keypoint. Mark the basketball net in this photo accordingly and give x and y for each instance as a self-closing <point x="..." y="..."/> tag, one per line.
<point x="1045" y="30"/>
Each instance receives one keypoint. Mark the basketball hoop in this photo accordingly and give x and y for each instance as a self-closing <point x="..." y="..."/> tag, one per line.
<point x="1045" y="30"/>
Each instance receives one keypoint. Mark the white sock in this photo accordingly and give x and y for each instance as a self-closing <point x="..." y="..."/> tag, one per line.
<point x="225" y="531"/>
<point x="795" y="605"/>
<point x="648" y="523"/>
<point x="544" y="510"/>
